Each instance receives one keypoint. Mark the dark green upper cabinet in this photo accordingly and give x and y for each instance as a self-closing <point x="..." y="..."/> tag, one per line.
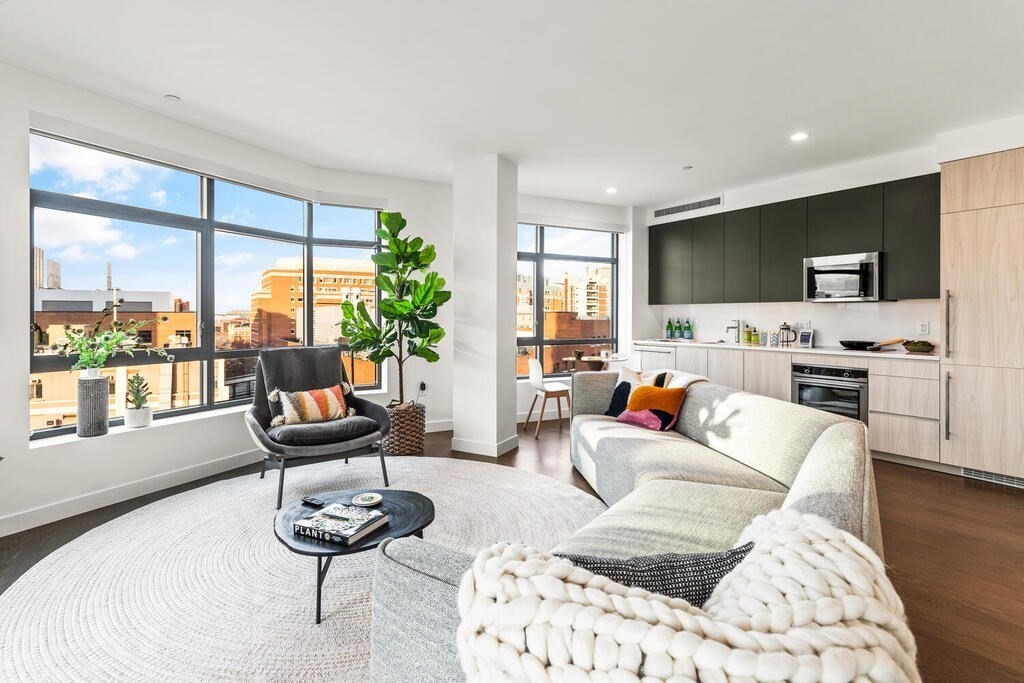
<point x="910" y="262"/>
<point x="670" y="263"/>
<point x="741" y="238"/>
<point x="708" y="260"/>
<point x="846" y="222"/>
<point x="783" y="244"/>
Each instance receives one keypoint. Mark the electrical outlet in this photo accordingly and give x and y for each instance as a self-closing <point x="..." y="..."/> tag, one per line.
<point x="923" y="327"/>
<point x="423" y="387"/>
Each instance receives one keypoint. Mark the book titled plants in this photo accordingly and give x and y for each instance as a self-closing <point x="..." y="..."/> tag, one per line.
<point x="342" y="524"/>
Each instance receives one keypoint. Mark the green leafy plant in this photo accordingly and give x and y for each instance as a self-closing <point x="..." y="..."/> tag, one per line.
<point x="94" y="347"/>
<point x="411" y="296"/>
<point x="138" y="391"/>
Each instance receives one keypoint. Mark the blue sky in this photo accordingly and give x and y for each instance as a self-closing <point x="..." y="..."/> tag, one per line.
<point x="145" y="257"/>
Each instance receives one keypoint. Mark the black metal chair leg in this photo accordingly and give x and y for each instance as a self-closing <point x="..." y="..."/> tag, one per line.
<point x="280" y="484"/>
<point x="346" y="461"/>
<point x="383" y="466"/>
<point x="263" y="470"/>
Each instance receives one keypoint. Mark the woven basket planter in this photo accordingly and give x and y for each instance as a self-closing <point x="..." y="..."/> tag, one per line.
<point x="408" y="425"/>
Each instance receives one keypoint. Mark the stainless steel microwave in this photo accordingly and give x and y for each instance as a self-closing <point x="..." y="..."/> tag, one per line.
<point x="850" y="277"/>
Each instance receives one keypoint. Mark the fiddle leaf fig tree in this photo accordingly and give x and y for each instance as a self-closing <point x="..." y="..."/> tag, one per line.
<point x="411" y="295"/>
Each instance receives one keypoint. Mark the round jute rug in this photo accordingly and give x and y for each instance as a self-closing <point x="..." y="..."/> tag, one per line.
<point x="196" y="586"/>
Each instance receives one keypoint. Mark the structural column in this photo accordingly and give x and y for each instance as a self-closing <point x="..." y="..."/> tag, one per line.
<point x="484" y="207"/>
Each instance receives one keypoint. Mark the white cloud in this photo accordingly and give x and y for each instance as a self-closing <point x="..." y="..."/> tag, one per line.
<point x="55" y="229"/>
<point x="233" y="260"/>
<point x="170" y="241"/>
<point x="159" y="197"/>
<point x="107" y="173"/>
<point x="75" y="253"/>
<point x="123" y="250"/>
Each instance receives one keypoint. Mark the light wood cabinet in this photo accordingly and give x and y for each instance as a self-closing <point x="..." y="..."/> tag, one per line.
<point x="981" y="423"/>
<point x="830" y="360"/>
<point x="725" y="367"/>
<point x="768" y="373"/>
<point x="904" y="396"/>
<point x="913" y="437"/>
<point x="983" y="182"/>
<point x="655" y="357"/>
<point x="918" y="369"/>
<point x="981" y="270"/>
<point x="690" y="359"/>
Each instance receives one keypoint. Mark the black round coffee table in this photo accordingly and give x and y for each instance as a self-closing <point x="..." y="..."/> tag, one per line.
<point x="409" y="514"/>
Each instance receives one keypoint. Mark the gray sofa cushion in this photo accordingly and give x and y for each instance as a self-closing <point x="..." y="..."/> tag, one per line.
<point x="672" y="517"/>
<point x="623" y="457"/>
<point x="414" y="612"/>
<point x="317" y="433"/>
<point x="769" y="435"/>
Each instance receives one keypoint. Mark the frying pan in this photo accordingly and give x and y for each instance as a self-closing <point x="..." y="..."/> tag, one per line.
<point x="858" y="345"/>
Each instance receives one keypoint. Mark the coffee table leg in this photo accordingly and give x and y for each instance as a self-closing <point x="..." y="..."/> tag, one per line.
<point x="321" y="574"/>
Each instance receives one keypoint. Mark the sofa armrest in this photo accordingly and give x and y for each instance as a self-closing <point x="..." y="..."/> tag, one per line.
<point x="415" y="612"/>
<point x="374" y="411"/>
<point x="592" y="392"/>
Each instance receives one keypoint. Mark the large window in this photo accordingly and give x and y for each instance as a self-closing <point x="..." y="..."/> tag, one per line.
<point x="565" y="296"/>
<point x="222" y="270"/>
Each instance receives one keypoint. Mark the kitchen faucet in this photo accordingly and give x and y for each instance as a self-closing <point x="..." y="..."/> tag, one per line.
<point x="735" y="326"/>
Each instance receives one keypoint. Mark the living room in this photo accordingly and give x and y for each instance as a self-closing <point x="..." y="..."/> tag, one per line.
<point x="672" y="341"/>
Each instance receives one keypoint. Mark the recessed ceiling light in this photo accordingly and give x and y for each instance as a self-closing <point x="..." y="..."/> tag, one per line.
<point x="799" y="136"/>
<point x="611" y="190"/>
<point x="172" y="98"/>
<point x="688" y="167"/>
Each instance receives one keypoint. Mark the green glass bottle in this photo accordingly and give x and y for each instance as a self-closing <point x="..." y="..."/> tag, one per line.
<point x="687" y="330"/>
<point x="668" y="329"/>
<point x="679" y="329"/>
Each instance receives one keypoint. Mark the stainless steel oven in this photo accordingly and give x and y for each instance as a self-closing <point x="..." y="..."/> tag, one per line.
<point x="843" y="391"/>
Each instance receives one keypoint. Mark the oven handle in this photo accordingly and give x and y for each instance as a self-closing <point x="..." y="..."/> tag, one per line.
<point x="818" y="382"/>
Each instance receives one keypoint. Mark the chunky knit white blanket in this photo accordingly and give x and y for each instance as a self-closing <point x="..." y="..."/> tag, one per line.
<point x="809" y="603"/>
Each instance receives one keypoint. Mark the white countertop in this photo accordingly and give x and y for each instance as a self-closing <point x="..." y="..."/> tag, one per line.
<point x="897" y="352"/>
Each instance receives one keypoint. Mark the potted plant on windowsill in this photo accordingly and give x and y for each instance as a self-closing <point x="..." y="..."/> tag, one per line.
<point x="140" y="414"/>
<point x="411" y="295"/>
<point x="93" y="348"/>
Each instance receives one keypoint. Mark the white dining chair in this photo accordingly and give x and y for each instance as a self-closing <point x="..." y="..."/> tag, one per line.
<point x="545" y="390"/>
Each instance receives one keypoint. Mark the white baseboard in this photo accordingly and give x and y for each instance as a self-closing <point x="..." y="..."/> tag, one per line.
<point x="439" y="426"/>
<point x="487" y="448"/>
<point x="917" y="462"/>
<point x="549" y="414"/>
<point x="62" y="509"/>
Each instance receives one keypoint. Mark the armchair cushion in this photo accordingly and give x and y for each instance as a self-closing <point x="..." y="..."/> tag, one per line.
<point x="322" y="433"/>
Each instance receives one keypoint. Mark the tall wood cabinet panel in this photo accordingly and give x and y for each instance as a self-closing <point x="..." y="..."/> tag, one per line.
<point x="708" y="260"/>
<point x="725" y="367"/>
<point x="983" y="182"/>
<point x="910" y="262"/>
<point x="845" y="222"/>
<point x="741" y="237"/>
<point x="783" y="248"/>
<point x="670" y="263"/>
<point x="768" y="373"/>
<point x="984" y="418"/>
<point x="983" y="252"/>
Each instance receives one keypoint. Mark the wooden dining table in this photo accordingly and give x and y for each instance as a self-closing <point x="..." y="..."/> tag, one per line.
<point x="594" y="363"/>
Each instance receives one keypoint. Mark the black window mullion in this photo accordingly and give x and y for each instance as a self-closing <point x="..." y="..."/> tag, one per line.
<point x="207" y="282"/>
<point x="307" y="280"/>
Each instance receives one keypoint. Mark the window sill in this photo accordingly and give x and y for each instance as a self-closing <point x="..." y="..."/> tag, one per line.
<point x="121" y="429"/>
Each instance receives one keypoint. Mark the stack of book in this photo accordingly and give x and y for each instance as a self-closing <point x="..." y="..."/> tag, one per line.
<point x="342" y="524"/>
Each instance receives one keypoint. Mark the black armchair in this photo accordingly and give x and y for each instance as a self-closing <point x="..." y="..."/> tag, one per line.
<point x="303" y="369"/>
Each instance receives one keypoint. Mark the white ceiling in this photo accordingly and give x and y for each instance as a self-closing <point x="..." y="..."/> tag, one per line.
<point x="583" y="94"/>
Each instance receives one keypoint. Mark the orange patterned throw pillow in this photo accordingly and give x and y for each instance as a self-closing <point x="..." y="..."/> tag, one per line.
<point x="652" y="407"/>
<point x="302" y="407"/>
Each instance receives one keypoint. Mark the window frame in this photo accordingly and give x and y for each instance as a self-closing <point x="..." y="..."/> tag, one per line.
<point x="538" y="258"/>
<point x="206" y="229"/>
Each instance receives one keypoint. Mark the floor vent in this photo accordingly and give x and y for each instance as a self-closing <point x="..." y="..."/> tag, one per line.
<point x="1004" y="479"/>
<point x="692" y="206"/>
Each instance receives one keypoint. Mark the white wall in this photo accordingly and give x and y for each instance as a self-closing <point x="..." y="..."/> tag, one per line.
<point x="57" y="477"/>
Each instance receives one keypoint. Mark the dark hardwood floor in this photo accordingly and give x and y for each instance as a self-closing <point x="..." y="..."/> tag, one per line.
<point x="954" y="548"/>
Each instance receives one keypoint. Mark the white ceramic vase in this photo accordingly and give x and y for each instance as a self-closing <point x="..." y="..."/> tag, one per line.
<point x="138" y="417"/>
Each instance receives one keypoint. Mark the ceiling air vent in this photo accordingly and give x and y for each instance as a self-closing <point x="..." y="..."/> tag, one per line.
<point x="692" y="206"/>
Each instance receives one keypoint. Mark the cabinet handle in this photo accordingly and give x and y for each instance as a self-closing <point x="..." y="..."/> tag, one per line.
<point x="948" y="379"/>
<point x="946" y="344"/>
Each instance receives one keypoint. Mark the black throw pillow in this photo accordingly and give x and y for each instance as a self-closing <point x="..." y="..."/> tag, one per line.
<point x="620" y="397"/>
<point x="692" y="577"/>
